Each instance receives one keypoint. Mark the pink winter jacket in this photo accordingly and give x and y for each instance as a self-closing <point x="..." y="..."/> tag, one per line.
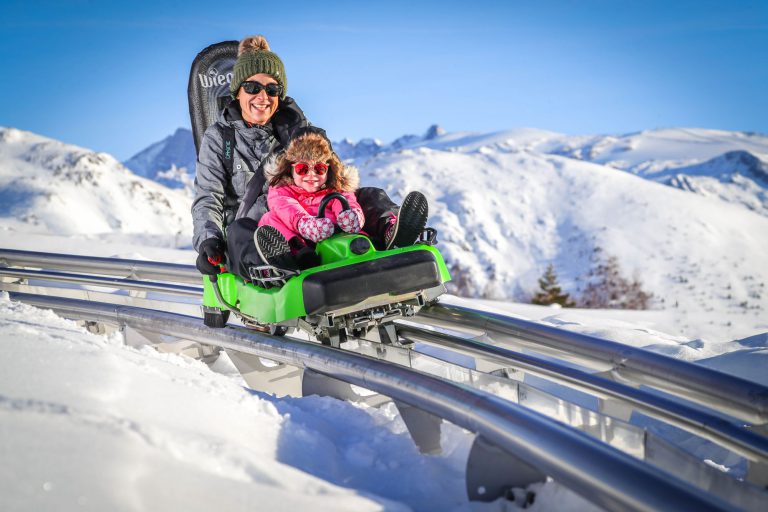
<point x="290" y="203"/>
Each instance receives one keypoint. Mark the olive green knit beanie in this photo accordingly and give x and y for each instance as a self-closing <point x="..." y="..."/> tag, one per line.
<point x="254" y="57"/>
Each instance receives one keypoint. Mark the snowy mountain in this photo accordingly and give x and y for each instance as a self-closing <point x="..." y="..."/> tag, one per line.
<point x="170" y="161"/>
<point x="366" y="148"/>
<point x="729" y="165"/>
<point x="537" y="197"/>
<point x="737" y="177"/>
<point x="654" y="150"/>
<point x="504" y="214"/>
<point x="50" y="187"/>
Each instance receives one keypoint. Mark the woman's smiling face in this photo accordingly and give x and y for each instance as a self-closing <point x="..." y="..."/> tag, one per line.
<point x="258" y="108"/>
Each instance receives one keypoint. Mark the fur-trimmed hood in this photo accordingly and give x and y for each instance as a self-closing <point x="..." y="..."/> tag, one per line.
<point x="311" y="147"/>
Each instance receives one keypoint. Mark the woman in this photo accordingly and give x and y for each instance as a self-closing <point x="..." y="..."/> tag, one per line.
<point x="230" y="183"/>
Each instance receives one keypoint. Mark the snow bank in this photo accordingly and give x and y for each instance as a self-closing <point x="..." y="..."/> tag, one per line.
<point x="87" y="423"/>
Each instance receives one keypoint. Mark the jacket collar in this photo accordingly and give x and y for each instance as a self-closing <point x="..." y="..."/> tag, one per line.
<point x="301" y="192"/>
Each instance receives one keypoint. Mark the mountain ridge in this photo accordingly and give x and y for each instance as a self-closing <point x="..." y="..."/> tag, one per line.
<point x="691" y="159"/>
<point x="50" y="186"/>
<point x="508" y="204"/>
<point x="177" y="151"/>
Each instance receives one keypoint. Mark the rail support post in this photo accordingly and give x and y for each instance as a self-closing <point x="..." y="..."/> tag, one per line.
<point x="423" y="427"/>
<point x="492" y="472"/>
<point x="757" y="473"/>
<point x="615" y="408"/>
<point x="314" y="383"/>
<point x="263" y="375"/>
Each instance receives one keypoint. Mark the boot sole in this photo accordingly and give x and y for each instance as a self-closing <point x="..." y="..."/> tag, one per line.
<point x="271" y="246"/>
<point x="411" y="220"/>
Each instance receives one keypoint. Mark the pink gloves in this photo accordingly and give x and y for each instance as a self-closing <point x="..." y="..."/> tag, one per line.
<point x="315" y="229"/>
<point x="348" y="221"/>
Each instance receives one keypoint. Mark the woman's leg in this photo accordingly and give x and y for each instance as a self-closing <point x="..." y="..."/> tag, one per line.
<point x="241" y="251"/>
<point x="379" y="211"/>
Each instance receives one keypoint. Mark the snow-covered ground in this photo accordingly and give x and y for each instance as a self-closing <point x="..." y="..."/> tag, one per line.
<point x="87" y="423"/>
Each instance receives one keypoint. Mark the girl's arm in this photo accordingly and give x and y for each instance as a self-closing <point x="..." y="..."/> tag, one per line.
<point x="282" y="202"/>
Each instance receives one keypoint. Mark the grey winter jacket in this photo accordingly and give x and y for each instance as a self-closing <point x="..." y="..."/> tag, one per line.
<point x="219" y="193"/>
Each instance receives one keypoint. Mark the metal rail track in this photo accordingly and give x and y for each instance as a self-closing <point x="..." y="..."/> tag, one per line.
<point x="694" y="420"/>
<point x="734" y="396"/>
<point x="134" y="269"/>
<point x="610" y="478"/>
<point x="737" y="397"/>
<point x="599" y="354"/>
<point x="730" y="395"/>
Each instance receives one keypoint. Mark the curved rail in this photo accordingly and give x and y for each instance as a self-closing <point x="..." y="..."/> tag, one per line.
<point x="742" y="399"/>
<point x="696" y="421"/>
<point x="702" y="423"/>
<point x="737" y="397"/>
<point x="612" y="479"/>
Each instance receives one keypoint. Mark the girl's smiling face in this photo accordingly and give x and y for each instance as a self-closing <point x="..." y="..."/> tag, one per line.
<point x="311" y="176"/>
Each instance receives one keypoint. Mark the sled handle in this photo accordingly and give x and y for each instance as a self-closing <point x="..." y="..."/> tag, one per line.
<point x="327" y="199"/>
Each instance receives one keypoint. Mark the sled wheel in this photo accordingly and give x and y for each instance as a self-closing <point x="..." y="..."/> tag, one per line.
<point x="216" y="318"/>
<point x="277" y="330"/>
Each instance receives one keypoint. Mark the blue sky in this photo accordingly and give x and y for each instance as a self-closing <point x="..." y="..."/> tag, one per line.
<point x="112" y="76"/>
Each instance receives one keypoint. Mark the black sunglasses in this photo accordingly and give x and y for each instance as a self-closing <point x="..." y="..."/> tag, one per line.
<point x="257" y="87"/>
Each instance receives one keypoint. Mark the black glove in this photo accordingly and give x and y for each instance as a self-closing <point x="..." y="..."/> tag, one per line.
<point x="211" y="253"/>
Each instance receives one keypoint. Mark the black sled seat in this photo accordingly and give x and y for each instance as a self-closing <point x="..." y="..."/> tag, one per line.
<point x="208" y="86"/>
<point x="342" y="287"/>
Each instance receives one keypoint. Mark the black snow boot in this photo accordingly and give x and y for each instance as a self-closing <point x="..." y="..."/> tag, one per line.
<point x="411" y="221"/>
<point x="273" y="248"/>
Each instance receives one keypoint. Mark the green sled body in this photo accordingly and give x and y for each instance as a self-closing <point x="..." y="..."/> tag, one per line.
<point x="354" y="283"/>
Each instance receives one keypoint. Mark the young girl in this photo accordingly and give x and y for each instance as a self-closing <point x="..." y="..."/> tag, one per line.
<point x="299" y="179"/>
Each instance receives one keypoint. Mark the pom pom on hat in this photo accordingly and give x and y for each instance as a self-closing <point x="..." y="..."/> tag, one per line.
<point x="253" y="44"/>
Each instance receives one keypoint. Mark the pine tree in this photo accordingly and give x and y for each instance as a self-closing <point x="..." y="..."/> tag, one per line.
<point x="609" y="289"/>
<point x="551" y="293"/>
